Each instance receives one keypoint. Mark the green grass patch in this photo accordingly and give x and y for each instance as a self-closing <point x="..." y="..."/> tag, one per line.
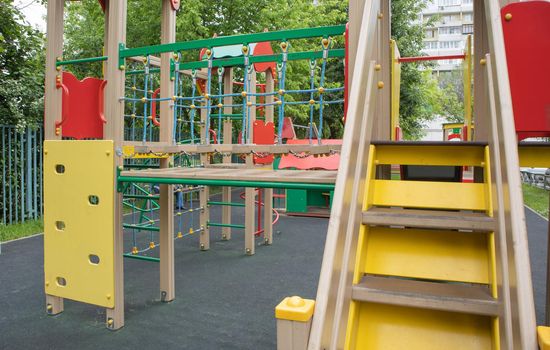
<point x="536" y="199"/>
<point x="14" y="231"/>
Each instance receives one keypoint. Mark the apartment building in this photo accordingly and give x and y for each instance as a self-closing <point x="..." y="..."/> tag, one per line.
<point x="454" y="20"/>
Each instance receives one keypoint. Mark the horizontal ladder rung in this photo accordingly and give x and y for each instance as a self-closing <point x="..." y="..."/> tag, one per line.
<point x="430" y="153"/>
<point x="447" y="220"/>
<point x="454" y="297"/>
<point x="429" y="194"/>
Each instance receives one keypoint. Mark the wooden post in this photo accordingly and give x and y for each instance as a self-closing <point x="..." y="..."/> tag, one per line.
<point x="52" y="99"/>
<point x="54" y="49"/>
<point x="114" y="130"/>
<point x="250" y="192"/>
<point x="204" y="193"/>
<point x="227" y="139"/>
<point x="481" y="48"/>
<point x="166" y="234"/>
<point x="293" y="323"/>
<point x="268" y="192"/>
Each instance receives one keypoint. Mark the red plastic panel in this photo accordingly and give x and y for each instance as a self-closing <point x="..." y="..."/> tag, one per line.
<point x="102" y="3"/>
<point x="264" y="134"/>
<point x="527" y="36"/>
<point x="82" y="108"/>
<point x="308" y="163"/>
<point x="288" y="129"/>
<point x="261" y="49"/>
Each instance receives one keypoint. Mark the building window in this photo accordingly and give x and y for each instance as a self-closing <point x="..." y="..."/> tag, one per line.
<point x="430" y="45"/>
<point x="466" y="2"/>
<point x="449" y="2"/>
<point x="449" y="44"/>
<point x="430" y="33"/>
<point x="468" y="29"/>
<point x="450" y="30"/>
<point x="455" y="17"/>
<point x="468" y="17"/>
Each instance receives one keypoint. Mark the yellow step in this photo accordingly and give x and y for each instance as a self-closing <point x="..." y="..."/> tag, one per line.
<point x="430" y="153"/>
<point x="427" y="254"/>
<point x="442" y="219"/>
<point x="457" y="297"/>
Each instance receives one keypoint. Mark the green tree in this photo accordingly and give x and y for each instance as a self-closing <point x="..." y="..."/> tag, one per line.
<point x="21" y="69"/>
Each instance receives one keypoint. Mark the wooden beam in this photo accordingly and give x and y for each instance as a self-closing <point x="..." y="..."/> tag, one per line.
<point x="227" y="139"/>
<point x="166" y="234"/>
<point x="54" y="49"/>
<point x="114" y="130"/>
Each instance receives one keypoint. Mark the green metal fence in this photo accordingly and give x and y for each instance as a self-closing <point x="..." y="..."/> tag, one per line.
<point x="21" y="174"/>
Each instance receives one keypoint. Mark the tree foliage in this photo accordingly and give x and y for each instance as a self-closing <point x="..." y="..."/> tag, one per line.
<point x="21" y="69"/>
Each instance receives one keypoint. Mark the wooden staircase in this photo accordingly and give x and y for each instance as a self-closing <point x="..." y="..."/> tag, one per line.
<point x="425" y="268"/>
<point x="425" y="263"/>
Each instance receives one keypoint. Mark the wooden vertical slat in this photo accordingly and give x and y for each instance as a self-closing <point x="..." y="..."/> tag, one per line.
<point x="204" y="194"/>
<point x="114" y="130"/>
<point x="52" y="98"/>
<point x="268" y="192"/>
<point x="227" y="139"/>
<point x="250" y="193"/>
<point x="166" y="234"/>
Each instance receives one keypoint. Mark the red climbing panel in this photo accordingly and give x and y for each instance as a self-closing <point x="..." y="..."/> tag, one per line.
<point x="527" y="37"/>
<point x="102" y="3"/>
<point x="82" y="112"/>
<point x="308" y="163"/>
<point x="264" y="134"/>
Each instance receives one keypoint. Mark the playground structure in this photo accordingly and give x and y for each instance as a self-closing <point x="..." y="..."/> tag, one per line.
<point x="411" y="263"/>
<point x="153" y="137"/>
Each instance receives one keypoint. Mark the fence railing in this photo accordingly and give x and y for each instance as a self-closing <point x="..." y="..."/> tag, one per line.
<point x="536" y="177"/>
<point x="21" y="174"/>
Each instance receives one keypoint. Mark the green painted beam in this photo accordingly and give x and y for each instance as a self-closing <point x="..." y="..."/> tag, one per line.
<point x="141" y="257"/>
<point x="142" y="228"/>
<point x="217" y="224"/>
<point x="81" y="60"/>
<point x="230" y="204"/>
<point x="141" y="196"/>
<point x="229" y="183"/>
<point x="282" y="35"/>
<point x="239" y="61"/>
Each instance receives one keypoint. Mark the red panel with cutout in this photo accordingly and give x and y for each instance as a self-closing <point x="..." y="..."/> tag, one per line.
<point x="82" y="111"/>
<point x="264" y="134"/>
<point x="330" y="162"/>
<point x="526" y="28"/>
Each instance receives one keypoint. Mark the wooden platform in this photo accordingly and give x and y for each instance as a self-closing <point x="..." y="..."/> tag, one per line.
<point x="249" y="177"/>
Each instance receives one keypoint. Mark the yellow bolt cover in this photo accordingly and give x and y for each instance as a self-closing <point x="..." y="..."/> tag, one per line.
<point x="249" y="104"/>
<point x="544" y="337"/>
<point x="180" y="235"/>
<point x="122" y="67"/>
<point x="134" y="88"/>
<point x="279" y="102"/>
<point x="152" y="245"/>
<point x="135" y="250"/>
<point x="483" y="61"/>
<point x="281" y="92"/>
<point x="321" y="90"/>
<point x="380" y="84"/>
<point x="508" y="16"/>
<point x="190" y="231"/>
<point x="243" y="94"/>
<point x="144" y="99"/>
<point x="220" y="105"/>
<point x="49" y="307"/>
<point x="206" y="96"/>
<point x="110" y="322"/>
<point x="378" y="67"/>
<point x="295" y="309"/>
<point x="311" y="102"/>
<point x="192" y="106"/>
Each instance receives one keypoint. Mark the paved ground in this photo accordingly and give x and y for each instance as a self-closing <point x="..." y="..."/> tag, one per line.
<point x="225" y="300"/>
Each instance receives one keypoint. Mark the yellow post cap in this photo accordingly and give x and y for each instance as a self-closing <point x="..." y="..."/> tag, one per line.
<point x="544" y="337"/>
<point x="295" y="309"/>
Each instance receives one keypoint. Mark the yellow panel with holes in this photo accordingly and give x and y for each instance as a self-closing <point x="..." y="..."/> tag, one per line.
<point x="388" y="327"/>
<point x="427" y="194"/>
<point x="431" y="254"/>
<point x="79" y="220"/>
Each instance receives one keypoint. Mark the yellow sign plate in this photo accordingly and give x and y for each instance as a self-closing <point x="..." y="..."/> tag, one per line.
<point x="79" y="187"/>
